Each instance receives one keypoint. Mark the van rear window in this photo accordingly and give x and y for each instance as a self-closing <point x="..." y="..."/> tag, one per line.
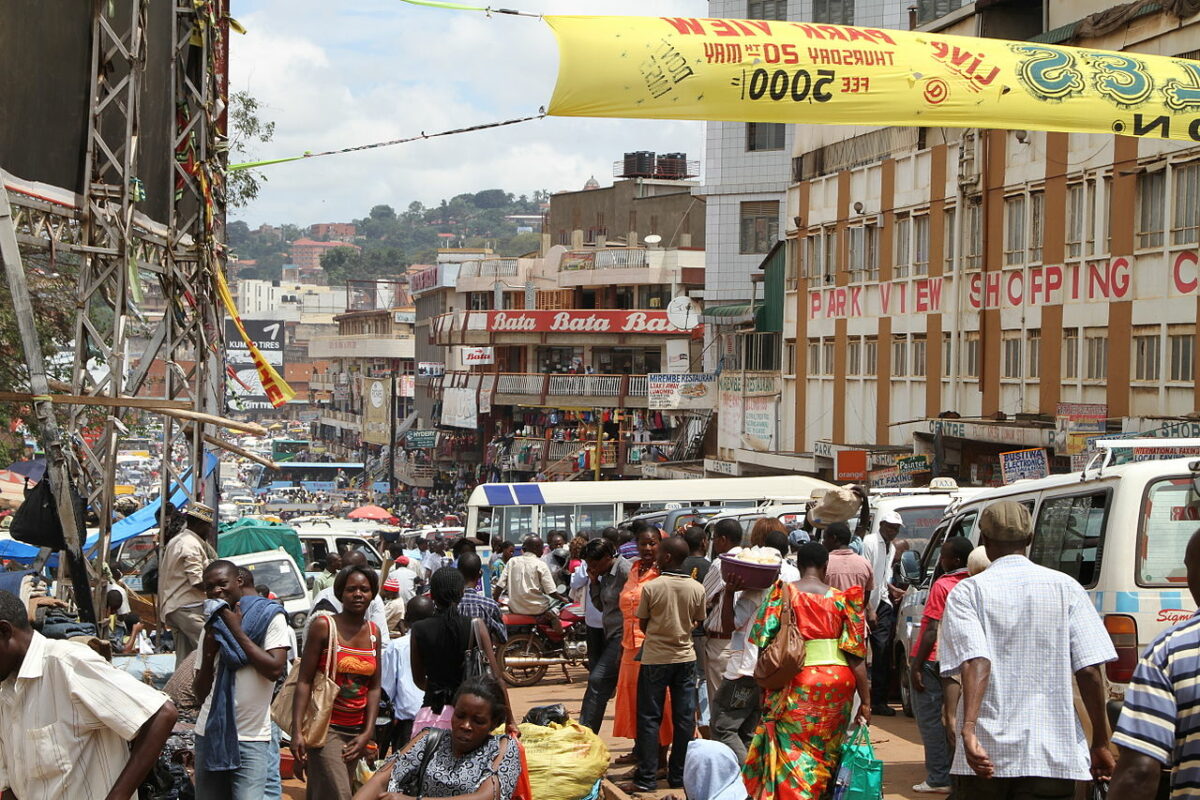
<point x="1170" y="515"/>
<point x="1068" y="534"/>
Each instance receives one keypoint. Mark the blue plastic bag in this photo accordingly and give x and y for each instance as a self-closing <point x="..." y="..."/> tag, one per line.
<point x="860" y="774"/>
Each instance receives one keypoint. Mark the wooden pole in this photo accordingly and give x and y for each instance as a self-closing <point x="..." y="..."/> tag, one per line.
<point x="238" y="451"/>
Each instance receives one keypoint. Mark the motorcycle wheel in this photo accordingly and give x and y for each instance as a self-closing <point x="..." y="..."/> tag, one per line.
<point x="522" y="645"/>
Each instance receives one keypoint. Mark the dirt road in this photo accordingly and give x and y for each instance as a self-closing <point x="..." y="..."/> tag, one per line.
<point x="896" y="739"/>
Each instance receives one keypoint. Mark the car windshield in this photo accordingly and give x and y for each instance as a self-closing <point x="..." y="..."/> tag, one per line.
<point x="1170" y="516"/>
<point x="279" y="576"/>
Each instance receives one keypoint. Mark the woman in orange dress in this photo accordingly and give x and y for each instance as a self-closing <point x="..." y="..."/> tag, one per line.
<point x="625" y="716"/>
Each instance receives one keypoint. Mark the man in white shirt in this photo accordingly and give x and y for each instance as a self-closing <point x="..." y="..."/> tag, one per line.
<point x="737" y="701"/>
<point x="1015" y="634"/>
<point x="72" y="726"/>
<point x="879" y="549"/>
<point x="395" y="674"/>
<point x="181" y="579"/>
<point x="727" y="538"/>
<point x="239" y="771"/>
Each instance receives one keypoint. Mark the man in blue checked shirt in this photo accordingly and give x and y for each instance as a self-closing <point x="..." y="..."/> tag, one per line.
<point x="1016" y="633"/>
<point x="1159" y="727"/>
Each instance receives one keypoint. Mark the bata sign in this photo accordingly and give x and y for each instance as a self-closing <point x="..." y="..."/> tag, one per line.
<point x="580" y="322"/>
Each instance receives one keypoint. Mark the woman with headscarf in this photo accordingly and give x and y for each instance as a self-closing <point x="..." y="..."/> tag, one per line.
<point x="713" y="773"/>
<point x="643" y="570"/>
<point x="796" y="748"/>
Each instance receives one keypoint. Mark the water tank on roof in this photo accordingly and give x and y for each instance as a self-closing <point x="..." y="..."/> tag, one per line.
<point x="672" y="166"/>
<point x="644" y="163"/>
<point x="630" y="167"/>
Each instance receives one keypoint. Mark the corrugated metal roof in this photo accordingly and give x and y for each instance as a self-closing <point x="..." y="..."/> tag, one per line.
<point x="1066" y="33"/>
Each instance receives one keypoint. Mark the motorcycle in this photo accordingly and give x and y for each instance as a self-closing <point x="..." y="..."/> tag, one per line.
<point x="534" y="646"/>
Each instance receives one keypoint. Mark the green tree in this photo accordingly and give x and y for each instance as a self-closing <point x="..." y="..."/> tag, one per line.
<point x="246" y="129"/>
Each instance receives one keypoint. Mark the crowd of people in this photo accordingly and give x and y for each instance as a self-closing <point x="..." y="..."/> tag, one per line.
<point x="693" y="659"/>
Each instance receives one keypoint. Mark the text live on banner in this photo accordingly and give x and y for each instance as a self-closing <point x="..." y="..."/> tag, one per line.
<point x="777" y="71"/>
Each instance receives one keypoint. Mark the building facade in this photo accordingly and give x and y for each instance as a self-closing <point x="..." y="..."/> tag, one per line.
<point x="958" y="289"/>
<point x="747" y="165"/>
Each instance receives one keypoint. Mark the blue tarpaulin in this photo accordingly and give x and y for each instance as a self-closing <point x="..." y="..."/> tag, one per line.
<point x="146" y="517"/>
<point x="18" y="551"/>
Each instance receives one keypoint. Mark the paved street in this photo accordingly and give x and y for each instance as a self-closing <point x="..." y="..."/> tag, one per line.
<point x="897" y="741"/>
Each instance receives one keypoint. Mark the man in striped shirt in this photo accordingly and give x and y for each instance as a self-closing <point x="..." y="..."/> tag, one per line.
<point x="1159" y="727"/>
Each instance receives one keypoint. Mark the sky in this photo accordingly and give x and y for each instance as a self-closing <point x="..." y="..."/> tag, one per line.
<point x="351" y="72"/>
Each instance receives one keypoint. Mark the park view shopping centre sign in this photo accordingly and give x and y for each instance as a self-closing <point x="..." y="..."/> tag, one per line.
<point x="1143" y="277"/>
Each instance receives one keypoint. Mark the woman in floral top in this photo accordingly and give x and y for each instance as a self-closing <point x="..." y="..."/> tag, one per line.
<point x="796" y="748"/>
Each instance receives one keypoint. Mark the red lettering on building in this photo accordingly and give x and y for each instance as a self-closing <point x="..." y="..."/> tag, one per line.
<point x="1185" y="285"/>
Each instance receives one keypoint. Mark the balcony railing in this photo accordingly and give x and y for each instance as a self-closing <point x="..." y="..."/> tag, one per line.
<point x="637" y="385"/>
<point x="489" y="268"/>
<point x="520" y="383"/>
<point x="585" y="385"/>
<point x="615" y="258"/>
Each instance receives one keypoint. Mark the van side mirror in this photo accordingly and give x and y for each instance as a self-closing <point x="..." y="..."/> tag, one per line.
<point x="910" y="567"/>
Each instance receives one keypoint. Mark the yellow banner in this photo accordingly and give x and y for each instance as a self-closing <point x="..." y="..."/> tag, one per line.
<point x="770" y="71"/>
<point x="275" y="387"/>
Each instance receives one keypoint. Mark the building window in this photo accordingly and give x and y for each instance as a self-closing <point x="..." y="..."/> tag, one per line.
<point x="1185" y="227"/>
<point x="1147" y="354"/>
<point x="854" y="357"/>
<point x="1013" y="347"/>
<point x="1070" y="361"/>
<point x="947" y="349"/>
<point x="789" y="353"/>
<point x="833" y="12"/>
<point x="759" y="227"/>
<point x="929" y="10"/>
<point x="1151" y="200"/>
<point x="1075" y="212"/>
<point x="903" y="246"/>
<point x="1014" y="229"/>
<point x="1095" y="346"/>
<point x="918" y="356"/>
<point x="1037" y="210"/>
<point x="900" y="357"/>
<point x="950" y="236"/>
<point x="831" y="254"/>
<point x="814" y="253"/>
<point x="1089" y="221"/>
<point x="920" y="245"/>
<point x="827" y="357"/>
<point x="814" y="356"/>
<point x="863" y="246"/>
<point x="764" y="136"/>
<point x="870" y="356"/>
<point x="1182" y="349"/>
<point x="973" y="235"/>
<point x="1033" y="347"/>
<point x="766" y="9"/>
<point x="970" y="355"/>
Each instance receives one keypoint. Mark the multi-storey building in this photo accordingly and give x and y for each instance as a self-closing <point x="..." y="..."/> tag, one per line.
<point x="969" y="292"/>
<point x="306" y="253"/>
<point x="747" y="165"/>
<point x="372" y="352"/>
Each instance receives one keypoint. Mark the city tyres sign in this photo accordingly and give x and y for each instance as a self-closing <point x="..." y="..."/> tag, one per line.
<point x="576" y="321"/>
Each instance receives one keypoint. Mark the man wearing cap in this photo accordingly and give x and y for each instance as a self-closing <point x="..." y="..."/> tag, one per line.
<point x="1015" y="634"/>
<point x="181" y="579"/>
<point x="879" y="549"/>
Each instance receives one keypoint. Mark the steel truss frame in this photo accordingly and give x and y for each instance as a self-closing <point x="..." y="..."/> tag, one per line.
<point x="121" y="249"/>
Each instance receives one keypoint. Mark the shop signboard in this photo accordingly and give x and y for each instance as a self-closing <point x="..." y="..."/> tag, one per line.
<point x="459" y="408"/>
<point x="407" y="386"/>
<point x="579" y="321"/>
<point x="720" y="467"/>
<point x="377" y="408"/>
<point x="665" y="390"/>
<point x="476" y="356"/>
<point x="430" y="369"/>
<point x="421" y="439"/>
<point x="888" y="478"/>
<point x="1029" y="464"/>
<point x="908" y="466"/>
<point x="1073" y="419"/>
<point x="577" y="260"/>
<point x="850" y="465"/>
<point x="266" y="335"/>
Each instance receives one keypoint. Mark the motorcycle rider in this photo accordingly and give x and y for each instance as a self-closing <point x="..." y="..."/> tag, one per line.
<point x="530" y="586"/>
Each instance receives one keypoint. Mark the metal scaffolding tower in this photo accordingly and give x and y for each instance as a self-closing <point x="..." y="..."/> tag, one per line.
<point x="126" y="258"/>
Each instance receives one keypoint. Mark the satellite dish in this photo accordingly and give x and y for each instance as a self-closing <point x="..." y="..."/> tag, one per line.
<point x="653" y="239"/>
<point x="683" y="313"/>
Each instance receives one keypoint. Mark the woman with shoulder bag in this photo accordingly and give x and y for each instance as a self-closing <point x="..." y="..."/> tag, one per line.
<point x="465" y="762"/>
<point x="348" y="646"/>
<point x="796" y="748"/>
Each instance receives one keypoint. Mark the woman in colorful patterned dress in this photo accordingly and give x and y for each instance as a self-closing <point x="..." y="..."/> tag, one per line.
<point x="625" y="715"/>
<point x="796" y="748"/>
<point x="353" y="642"/>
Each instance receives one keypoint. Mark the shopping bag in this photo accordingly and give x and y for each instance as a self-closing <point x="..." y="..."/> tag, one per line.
<point x="563" y="761"/>
<point x="860" y="775"/>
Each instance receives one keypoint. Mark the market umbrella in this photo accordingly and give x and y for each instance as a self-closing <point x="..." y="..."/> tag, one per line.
<point x="12" y="489"/>
<point x="370" y="512"/>
<point x="34" y="470"/>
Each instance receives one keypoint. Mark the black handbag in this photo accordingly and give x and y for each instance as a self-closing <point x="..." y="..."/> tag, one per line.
<point x="435" y="737"/>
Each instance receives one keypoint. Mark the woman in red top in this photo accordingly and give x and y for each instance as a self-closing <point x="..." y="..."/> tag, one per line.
<point x="799" y="741"/>
<point x="356" y="646"/>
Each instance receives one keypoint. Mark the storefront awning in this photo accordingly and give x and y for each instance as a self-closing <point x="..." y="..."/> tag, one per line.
<point x="731" y="314"/>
